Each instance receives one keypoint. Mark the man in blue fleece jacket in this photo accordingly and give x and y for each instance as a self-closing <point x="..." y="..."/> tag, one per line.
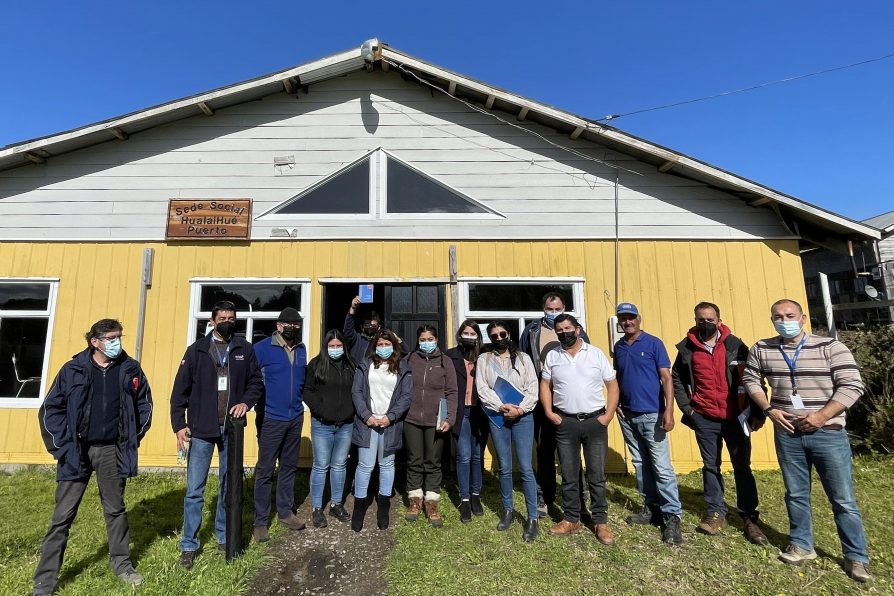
<point x="283" y="360"/>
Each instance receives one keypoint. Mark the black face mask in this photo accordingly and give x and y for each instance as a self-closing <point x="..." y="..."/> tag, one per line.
<point x="567" y="338"/>
<point x="226" y="329"/>
<point x="290" y="333"/>
<point x="501" y="344"/>
<point x="706" y="330"/>
<point x="369" y="330"/>
<point x="468" y="343"/>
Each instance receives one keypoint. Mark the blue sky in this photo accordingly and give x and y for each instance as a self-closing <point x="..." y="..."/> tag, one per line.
<point x="827" y="139"/>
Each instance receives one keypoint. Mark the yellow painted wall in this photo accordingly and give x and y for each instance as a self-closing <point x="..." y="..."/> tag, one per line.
<point x="664" y="278"/>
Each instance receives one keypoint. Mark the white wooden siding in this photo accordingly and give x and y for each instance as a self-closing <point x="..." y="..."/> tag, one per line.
<point x="119" y="190"/>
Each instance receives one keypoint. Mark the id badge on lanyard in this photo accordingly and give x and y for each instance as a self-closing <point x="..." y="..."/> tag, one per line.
<point x="797" y="402"/>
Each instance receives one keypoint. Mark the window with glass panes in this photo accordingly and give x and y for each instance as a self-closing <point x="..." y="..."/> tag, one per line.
<point x="258" y="304"/>
<point x="516" y="302"/>
<point x="26" y="309"/>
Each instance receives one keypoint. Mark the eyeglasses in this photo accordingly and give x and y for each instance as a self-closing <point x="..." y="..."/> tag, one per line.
<point x="496" y="336"/>
<point x="287" y="326"/>
<point x="108" y="337"/>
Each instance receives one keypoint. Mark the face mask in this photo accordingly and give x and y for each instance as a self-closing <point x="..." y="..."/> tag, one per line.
<point x="469" y="341"/>
<point x="336" y="353"/>
<point x="384" y="352"/>
<point x="706" y="330"/>
<point x="369" y="330"/>
<point x="112" y="348"/>
<point x="226" y="329"/>
<point x="551" y="316"/>
<point x="428" y="346"/>
<point x="788" y="329"/>
<point x="501" y="344"/>
<point x="290" y="333"/>
<point x="567" y="338"/>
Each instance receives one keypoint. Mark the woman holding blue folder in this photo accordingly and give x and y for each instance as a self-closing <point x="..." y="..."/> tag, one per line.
<point x="507" y="387"/>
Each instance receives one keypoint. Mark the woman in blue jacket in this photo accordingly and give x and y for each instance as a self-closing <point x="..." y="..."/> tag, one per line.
<point x="381" y="394"/>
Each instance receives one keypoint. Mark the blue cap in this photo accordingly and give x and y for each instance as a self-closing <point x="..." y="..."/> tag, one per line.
<point x="627" y="308"/>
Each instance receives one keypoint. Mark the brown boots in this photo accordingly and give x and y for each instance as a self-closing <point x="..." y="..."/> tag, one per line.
<point x="413" y="509"/>
<point x="431" y="512"/>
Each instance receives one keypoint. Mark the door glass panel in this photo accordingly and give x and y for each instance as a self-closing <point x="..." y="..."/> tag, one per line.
<point x="427" y="299"/>
<point x="402" y="299"/>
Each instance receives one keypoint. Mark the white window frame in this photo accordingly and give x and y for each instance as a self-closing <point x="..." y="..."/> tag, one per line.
<point x="195" y="297"/>
<point x="50" y="315"/>
<point x="577" y="295"/>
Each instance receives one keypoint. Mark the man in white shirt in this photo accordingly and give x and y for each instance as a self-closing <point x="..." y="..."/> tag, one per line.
<point x="571" y="392"/>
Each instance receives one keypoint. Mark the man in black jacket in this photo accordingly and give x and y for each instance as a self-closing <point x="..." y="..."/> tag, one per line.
<point x="93" y="419"/>
<point x="218" y="377"/>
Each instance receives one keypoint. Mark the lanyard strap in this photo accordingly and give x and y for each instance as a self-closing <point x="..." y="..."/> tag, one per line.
<point x="226" y="355"/>
<point x="793" y="362"/>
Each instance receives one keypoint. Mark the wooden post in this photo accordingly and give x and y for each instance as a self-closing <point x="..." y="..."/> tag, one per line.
<point x="454" y="291"/>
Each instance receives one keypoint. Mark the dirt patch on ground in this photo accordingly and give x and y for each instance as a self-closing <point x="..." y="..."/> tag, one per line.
<point x="328" y="561"/>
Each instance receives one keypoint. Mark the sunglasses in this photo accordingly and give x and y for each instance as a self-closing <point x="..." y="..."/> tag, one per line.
<point x="496" y="336"/>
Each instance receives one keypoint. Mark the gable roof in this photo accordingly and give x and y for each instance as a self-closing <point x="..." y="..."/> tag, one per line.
<point x="814" y="224"/>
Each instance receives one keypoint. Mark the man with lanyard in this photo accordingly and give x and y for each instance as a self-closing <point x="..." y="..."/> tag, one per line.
<point x="537" y="339"/>
<point x="647" y="408"/>
<point x="813" y="380"/>
<point x="218" y="377"/>
<point x="708" y="388"/>
<point x="571" y="392"/>
<point x="283" y="361"/>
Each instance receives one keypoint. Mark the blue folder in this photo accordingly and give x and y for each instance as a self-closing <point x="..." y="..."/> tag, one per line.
<point x="508" y="394"/>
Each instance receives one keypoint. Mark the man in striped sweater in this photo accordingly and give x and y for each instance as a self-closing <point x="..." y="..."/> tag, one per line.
<point x="813" y="380"/>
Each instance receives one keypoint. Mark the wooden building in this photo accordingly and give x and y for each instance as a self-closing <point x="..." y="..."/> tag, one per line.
<point x="453" y="197"/>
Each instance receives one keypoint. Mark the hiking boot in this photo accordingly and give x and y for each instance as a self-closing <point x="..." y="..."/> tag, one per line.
<point x="565" y="527"/>
<point x="671" y="534"/>
<point x="361" y="504"/>
<point x="133" y="578"/>
<point x="530" y="529"/>
<point x="260" y="534"/>
<point x="753" y="532"/>
<point x="383" y="511"/>
<point x="465" y="511"/>
<point x="338" y="511"/>
<point x="414" y="508"/>
<point x="187" y="559"/>
<point x="604" y="534"/>
<point x="318" y="519"/>
<point x="648" y="515"/>
<point x="431" y="512"/>
<point x="857" y="571"/>
<point x="292" y="522"/>
<point x="505" y="520"/>
<point x="711" y="524"/>
<point x="475" y="501"/>
<point x="795" y="555"/>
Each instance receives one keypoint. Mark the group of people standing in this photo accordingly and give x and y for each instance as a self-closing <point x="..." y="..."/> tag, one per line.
<point x="552" y="391"/>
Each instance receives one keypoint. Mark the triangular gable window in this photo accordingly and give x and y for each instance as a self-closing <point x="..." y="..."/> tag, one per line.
<point x="345" y="193"/>
<point x="409" y="192"/>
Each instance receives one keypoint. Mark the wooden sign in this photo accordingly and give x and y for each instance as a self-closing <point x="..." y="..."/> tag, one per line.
<point x="209" y="219"/>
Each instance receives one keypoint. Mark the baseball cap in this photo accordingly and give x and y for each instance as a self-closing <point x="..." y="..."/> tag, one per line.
<point x="627" y="308"/>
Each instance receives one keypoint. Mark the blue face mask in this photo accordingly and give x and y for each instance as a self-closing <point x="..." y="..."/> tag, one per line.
<point x="336" y="353"/>
<point x="788" y="329"/>
<point x="428" y="346"/>
<point x="112" y="347"/>
<point x="384" y="352"/>
<point x="551" y="316"/>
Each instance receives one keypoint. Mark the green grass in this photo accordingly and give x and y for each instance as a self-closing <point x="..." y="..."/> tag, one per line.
<point x="476" y="559"/>
<point x="155" y="513"/>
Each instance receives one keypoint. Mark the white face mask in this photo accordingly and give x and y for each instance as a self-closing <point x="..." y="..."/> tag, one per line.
<point x="112" y="347"/>
<point x="788" y="329"/>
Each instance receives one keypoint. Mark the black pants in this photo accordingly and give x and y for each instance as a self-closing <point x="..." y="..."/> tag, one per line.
<point x="545" y="440"/>
<point x="571" y="435"/>
<point x="424" y="446"/>
<point x="279" y="440"/>
<point x="103" y="459"/>
<point x="710" y="434"/>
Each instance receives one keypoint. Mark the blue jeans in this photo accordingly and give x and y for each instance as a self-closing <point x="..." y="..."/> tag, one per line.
<point x="650" y="498"/>
<point x="470" y="444"/>
<point x="197" y="464"/>
<point x="830" y="453"/>
<point x="516" y="436"/>
<point x="657" y="472"/>
<point x="366" y="461"/>
<point x="331" y="443"/>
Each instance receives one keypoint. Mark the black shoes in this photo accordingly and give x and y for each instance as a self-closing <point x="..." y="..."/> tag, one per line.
<point x="505" y="520"/>
<point x="338" y="511"/>
<point x="465" y="511"/>
<point x="359" y="513"/>
<point x="670" y="534"/>
<point x="530" y="530"/>
<point x="648" y="515"/>
<point x="475" y="502"/>
<point x="383" y="511"/>
<point x="318" y="519"/>
<point x="187" y="559"/>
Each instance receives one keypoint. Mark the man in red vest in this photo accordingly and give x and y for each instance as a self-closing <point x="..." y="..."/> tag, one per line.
<point x="708" y="389"/>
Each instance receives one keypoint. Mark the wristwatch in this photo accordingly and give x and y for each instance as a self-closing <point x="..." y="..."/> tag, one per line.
<point x="767" y="410"/>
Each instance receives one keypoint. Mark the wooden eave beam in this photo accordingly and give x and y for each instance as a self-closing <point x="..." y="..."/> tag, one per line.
<point x="451" y="88"/>
<point x="576" y="133"/>
<point x="666" y="166"/>
<point x="289" y="86"/>
<point x="34" y="158"/>
<point x="119" y="134"/>
<point x="522" y="114"/>
<point x="489" y="102"/>
<point x="206" y="109"/>
<point x="758" y="202"/>
<point x="386" y="66"/>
